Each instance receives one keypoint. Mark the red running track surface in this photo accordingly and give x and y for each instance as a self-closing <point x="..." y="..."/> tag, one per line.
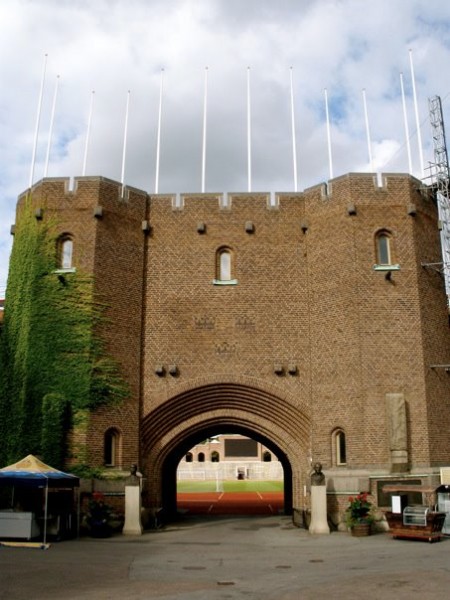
<point x="231" y="503"/>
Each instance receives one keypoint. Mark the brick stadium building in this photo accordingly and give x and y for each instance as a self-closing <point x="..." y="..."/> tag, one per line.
<point x="305" y="321"/>
<point x="227" y="457"/>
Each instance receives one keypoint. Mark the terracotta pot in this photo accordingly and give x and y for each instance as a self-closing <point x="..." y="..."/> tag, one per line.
<point x="360" y="529"/>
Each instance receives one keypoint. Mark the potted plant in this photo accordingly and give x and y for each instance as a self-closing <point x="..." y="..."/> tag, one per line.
<point x="359" y="515"/>
<point x="98" y="516"/>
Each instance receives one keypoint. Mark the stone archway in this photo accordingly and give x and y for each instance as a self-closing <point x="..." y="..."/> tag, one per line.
<point x="170" y="430"/>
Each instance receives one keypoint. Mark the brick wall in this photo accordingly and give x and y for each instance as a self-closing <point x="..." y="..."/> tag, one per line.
<point x="311" y="338"/>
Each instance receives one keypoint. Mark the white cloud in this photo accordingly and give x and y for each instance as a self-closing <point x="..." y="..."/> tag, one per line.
<point x="116" y="45"/>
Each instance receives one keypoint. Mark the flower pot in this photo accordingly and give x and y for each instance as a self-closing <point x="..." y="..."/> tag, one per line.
<point x="100" y="529"/>
<point x="360" y="529"/>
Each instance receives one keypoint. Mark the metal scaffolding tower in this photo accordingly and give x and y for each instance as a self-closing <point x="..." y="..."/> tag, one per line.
<point x="440" y="181"/>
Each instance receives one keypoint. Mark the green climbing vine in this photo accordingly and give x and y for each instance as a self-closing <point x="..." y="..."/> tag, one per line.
<point x="55" y="421"/>
<point x="52" y="363"/>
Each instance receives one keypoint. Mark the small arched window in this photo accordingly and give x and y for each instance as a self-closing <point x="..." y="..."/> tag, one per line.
<point x="65" y="252"/>
<point x="383" y="248"/>
<point x="111" y="449"/>
<point x="201" y="457"/>
<point x="225" y="266"/>
<point x="189" y="457"/>
<point x="215" y="457"/>
<point x="340" y="447"/>
<point x="267" y="457"/>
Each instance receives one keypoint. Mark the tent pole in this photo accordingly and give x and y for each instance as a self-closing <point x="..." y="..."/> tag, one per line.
<point x="45" y="512"/>
<point x="78" y="511"/>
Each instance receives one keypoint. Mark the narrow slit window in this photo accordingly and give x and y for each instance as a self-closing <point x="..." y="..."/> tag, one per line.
<point x="66" y="253"/>
<point x="341" y="449"/>
<point x="383" y="244"/>
<point x="224" y="266"/>
<point x="111" y="448"/>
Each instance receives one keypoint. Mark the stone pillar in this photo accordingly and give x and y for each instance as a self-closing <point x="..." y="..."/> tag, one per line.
<point x="132" y="525"/>
<point x="319" y="522"/>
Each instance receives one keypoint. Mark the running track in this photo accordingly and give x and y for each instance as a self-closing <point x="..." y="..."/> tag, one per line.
<point x="231" y="503"/>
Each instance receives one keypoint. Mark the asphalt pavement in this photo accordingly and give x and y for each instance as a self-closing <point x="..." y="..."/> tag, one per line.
<point x="228" y="558"/>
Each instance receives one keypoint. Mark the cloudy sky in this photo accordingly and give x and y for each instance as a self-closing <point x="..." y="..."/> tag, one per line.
<point x="115" y="46"/>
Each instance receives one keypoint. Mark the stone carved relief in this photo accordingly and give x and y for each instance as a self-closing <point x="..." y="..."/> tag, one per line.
<point x="397" y="421"/>
<point x="245" y="323"/>
<point x="225" y="348"/>
<point x="204" y="322"/>
<point x="397" y="431"/>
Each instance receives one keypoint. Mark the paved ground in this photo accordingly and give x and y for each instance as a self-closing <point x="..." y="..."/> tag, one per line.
<point x="228" y="558"/>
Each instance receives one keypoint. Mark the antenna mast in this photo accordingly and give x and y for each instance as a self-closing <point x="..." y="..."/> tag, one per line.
<point x="440" y="181"/>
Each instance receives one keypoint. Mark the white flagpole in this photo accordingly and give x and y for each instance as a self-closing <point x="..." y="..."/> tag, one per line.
<point x="88" y="133"/>
<point x="122" y="178"/>
<point x="38" y="119"/>
<point x="405" y="121"/>
<point x="158" y="137"/>
<point x="205" y="106"/>
<point x="294" y="146"/>
<point x="249" y="134"/>
<point x="416" y="110"/>
<point x="366" y="118"/>
<point x="50" y="132"/>
<point x="327" y="116"/>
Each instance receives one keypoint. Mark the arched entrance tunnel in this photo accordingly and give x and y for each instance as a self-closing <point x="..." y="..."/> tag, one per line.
<point x="180" y="422"/>
<point x="171" y="464"/>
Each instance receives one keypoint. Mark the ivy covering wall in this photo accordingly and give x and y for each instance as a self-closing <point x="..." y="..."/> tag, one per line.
<point x="52" y="363"/>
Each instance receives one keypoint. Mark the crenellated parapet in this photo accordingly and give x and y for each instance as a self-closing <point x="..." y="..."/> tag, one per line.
<point x="83" y="193"/>
<point x="347" y="192"/>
